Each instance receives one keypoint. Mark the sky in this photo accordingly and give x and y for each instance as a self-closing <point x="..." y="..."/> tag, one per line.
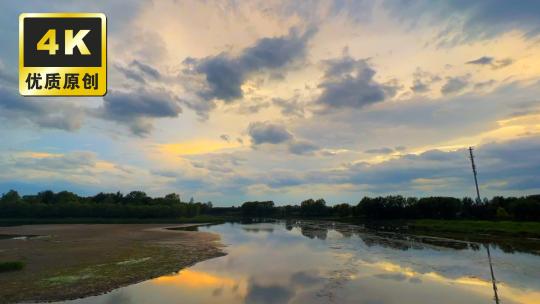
<point x="229" y="101"/>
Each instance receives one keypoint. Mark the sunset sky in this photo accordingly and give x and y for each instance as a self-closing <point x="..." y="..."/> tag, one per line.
<point x="227" y="101"/>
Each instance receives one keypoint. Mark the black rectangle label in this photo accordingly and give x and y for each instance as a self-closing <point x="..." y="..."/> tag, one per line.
<point x="36" y="28"/>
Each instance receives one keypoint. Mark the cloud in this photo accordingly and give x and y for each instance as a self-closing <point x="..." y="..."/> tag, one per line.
<point x="301" y="147"/>
<point x="137" y="108"/>
<point x="484" y="84"/>
<point x="224" y="163"/>
<point x="266" y="132"/>
<point x="42" y="113"/>
<point x="139" y="71"/>
<point x="422" y="81"/>
<point x="275" y="134"/>
<point x="7" y="78"/>
<point x="349" y="83"/>
<point x="224" y="74"/>
<point x="289" y="107"/>
<point x="455" y="85"/>
<point x="419" y="87"/>
<point x="507" y="165"/>
<point x="80" y="171"/>
<point x="225" y="137"/>
<point x="482" y="60"/>
<point x="73" y="161"/>
<point x="252" y="106"/>
<point x="490" y="61"/>
<point x="146" y="69"/>
<point x="384" y="150"/>
<point x="469" y="20"/>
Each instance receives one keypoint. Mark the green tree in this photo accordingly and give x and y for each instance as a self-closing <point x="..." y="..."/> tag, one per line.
<point x="11" y="197"/>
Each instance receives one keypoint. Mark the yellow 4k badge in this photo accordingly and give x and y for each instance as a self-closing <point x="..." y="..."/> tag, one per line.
<point x="63" y="54"/>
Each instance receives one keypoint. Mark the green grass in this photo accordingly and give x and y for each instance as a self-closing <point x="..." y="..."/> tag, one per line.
<point x="531" y="229"/>
<point x="11" y="266"/>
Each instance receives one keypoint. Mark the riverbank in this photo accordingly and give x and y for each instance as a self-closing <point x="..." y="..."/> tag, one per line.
<point x="506" y="228"/>
<point x="88" y="220"/>
<point x="75" y="260"/>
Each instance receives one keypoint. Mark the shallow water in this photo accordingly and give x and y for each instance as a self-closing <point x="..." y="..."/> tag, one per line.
<point x="314" y="262"/>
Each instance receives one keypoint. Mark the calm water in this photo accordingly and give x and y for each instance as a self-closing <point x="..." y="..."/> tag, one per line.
<point x="313" y="262"/>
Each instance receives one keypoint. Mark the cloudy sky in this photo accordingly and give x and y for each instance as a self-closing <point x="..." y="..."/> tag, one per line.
<point x="248" y="100"/>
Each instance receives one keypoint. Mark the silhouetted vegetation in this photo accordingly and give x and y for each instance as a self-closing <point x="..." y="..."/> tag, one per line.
<point x="136" y="204"/>
<point x="258" y="209"/>
<point x="11" y="266"/>
<point x="139" y="205"/>
<point x="399" y="207"/>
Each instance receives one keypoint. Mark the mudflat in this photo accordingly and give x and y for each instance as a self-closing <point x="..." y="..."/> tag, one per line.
<point x="76" y="260"/>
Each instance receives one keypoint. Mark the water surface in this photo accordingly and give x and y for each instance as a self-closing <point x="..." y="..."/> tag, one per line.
<point x="316" y="262"/>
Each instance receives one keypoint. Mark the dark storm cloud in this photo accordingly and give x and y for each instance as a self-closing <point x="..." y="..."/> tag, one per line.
<point x="349" y="83"/>
<point x="266" y="132"/>
<point x="481" y="19"/>
<point x="136" y="108"/>
<point x="43" y="113"/>
<point x="455" y="85"/>
<point x="224" y="73"/>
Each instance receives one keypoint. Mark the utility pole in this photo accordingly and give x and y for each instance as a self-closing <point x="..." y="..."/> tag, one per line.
<point x="478" y="200"/>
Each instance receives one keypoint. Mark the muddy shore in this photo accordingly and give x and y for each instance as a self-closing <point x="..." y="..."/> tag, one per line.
<point x="76" y="260"/>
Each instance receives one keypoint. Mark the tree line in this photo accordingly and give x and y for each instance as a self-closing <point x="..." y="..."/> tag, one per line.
<point x="137" y="204"/>
<point x="525" y="208"/>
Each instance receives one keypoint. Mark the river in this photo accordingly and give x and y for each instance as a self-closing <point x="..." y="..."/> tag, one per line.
<point x="324" y="262"/>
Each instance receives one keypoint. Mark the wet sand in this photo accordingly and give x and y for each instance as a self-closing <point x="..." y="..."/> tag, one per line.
<point x="76" y="260"/>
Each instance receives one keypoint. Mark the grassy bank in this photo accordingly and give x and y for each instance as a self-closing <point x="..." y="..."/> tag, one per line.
<point x="507" y="228"/>
<point x="503" y="228"/>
